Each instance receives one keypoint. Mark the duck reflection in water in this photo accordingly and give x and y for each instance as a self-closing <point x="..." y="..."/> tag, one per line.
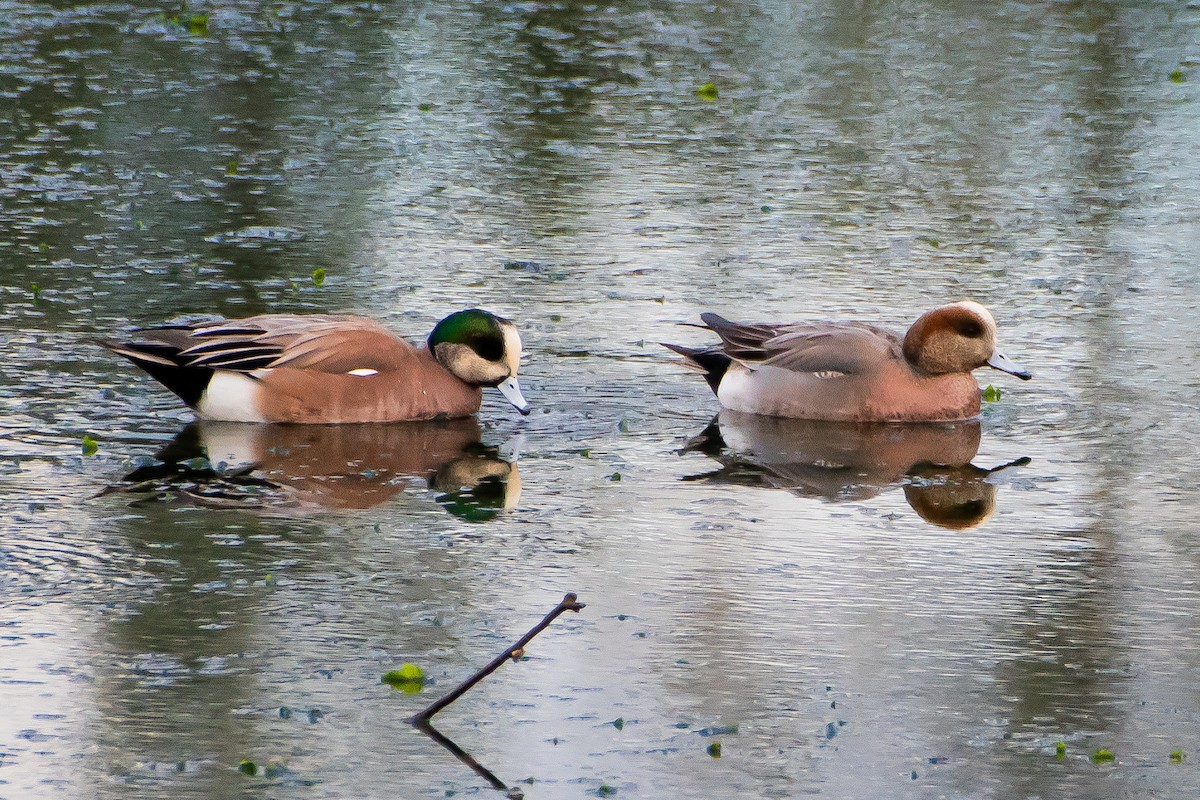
<point x="846" y="461"/>
<point x="232" y="464"/>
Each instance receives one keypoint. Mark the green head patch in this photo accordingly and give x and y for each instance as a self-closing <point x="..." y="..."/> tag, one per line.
<point x="475" y="328"/>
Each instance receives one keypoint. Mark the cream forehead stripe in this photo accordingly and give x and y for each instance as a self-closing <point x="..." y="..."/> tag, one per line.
<point x="512" y="347"/>
<point x="971" y="305"/>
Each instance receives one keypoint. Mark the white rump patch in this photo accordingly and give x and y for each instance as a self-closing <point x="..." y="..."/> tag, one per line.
<point x="230" y="396"/>
<point x="735" y="391"/>
<point x="363" y="372"/>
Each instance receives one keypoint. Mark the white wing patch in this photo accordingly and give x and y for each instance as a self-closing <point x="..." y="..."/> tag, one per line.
<point x="363" y="372"/>
<point x="829" y="374"/>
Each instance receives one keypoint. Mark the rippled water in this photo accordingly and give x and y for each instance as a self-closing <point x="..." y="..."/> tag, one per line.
<point x="842" y="620"/>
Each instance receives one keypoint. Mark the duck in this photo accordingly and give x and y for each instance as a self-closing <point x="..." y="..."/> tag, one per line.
<point x="853" y="371"/>
<point x="330" y="368"/>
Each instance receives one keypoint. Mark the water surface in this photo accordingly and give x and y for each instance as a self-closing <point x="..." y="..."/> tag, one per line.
<point x="844" y="627"/>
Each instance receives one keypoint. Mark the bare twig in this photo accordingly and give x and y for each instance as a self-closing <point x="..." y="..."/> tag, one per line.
<point x="569" y="603"/>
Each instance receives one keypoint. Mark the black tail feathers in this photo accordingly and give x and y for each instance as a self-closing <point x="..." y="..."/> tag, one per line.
<point x="712" y="361"/>
<point x="160" y="360"/>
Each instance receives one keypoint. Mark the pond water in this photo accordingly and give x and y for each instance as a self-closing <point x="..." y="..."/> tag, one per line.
<point x="843" y="621"/>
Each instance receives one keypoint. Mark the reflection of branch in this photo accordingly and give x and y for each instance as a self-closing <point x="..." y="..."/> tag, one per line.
<point x="426" y="728"/>
<point x="569" y="603"/>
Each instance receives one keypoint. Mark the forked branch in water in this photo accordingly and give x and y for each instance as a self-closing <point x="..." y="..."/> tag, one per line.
<point x="569" y="603"/>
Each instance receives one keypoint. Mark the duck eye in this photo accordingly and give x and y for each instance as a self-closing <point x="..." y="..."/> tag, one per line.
<point x="971" y="329"/>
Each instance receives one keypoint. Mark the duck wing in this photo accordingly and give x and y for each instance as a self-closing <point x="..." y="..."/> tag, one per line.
<point x="323" y="343"/>
<point x="848" y="348"/>
<point x="332" y="344"/>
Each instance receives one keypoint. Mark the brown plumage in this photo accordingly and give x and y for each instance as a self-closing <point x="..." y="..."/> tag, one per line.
<point x="329" y="369"/>
<point x="852" y="371"/>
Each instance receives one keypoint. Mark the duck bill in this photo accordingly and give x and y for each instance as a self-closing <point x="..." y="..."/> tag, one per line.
<point x="512" y="393"/>
<point x="1001" y="362"/>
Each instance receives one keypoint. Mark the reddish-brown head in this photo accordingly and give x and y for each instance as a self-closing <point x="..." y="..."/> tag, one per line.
<point x="959" y="337"/>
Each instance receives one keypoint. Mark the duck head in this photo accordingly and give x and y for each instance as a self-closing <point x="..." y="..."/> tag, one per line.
<point x="481" y="349"/>
<point x="959" y="337"/>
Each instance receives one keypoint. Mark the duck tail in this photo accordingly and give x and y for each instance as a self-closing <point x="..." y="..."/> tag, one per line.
<point x="711" y="361"/>
<point x="158" y="354"/>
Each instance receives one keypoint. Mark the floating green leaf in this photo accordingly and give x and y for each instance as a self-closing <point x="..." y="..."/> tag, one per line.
<point x="37" y="290"/>
<point x="89" y="445"/>
<point x="606" y="791"/>
<point x="408" y="672"/>
<point x="615" y="477"/>
<point x="619" y="723"/>
<point x="231" y="167"/>
<point x="1103" y="756"/>
<point x="1177" y="76"/>
<point x="408" y="679"/>
<point x="991" y="394"/>
<point x="425" y="107"/>
<point x="1176" y="756"/>
<point x="318" y="276"/>
<point x="714" y="749"/>
<point x="247" y="767"/>
<point x="707" y="92"/>
<point x="1060" y="750"/>
<point x="198" y="25"/>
